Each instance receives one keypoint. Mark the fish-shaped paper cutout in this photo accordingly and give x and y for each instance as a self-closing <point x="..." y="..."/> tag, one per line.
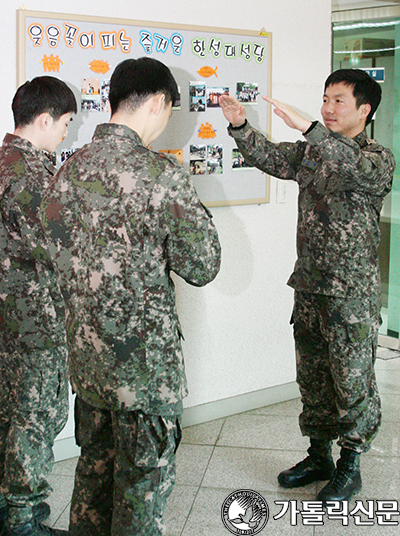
<point x="206" y="71"/>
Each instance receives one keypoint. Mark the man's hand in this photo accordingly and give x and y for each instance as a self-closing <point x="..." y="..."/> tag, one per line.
<point x="291" y="118"/>
<point x="233" y="111"/>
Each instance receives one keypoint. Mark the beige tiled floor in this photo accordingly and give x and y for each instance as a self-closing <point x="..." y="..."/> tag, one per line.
<point x="247" y="451"/>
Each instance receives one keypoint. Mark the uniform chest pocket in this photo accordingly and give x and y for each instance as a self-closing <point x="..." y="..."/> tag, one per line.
<point x="307" y="171"/>
<point x="316" y="172"/>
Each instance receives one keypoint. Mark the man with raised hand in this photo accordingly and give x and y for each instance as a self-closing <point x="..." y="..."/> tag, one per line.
<point x="343" y="178"/>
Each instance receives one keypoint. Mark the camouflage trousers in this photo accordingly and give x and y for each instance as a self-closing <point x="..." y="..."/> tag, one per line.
<point x="125" y="472"/>
<point x="33" y="410"/>
<point x="336" y="343"/>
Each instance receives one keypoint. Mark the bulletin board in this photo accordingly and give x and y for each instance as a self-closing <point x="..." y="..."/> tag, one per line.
<point x="205" y="61"/>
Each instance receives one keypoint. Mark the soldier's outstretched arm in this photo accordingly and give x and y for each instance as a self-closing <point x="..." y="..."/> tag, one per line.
<point x="233" y="111"/>
<point x="193" y="248"/>
<point x="291" y="118"/>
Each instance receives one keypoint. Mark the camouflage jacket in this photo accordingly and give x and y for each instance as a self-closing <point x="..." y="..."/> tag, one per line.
<point x="342" y="185"/>
<point x="31" y="305"/>
<point x="121" y="217"/>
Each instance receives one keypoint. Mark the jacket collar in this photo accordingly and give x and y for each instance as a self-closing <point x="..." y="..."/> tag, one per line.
<point x="113" y="129"/>
<point x="10" y="140"/>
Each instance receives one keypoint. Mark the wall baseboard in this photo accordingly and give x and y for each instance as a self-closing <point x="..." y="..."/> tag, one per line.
<point x="240" y="404"/>
<point x="67" y="448"/>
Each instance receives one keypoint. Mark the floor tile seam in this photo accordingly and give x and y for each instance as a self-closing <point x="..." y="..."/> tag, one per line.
<point x="373" y="455"/>
<point x="211" y="443"/>
<point x="265" y="491"/>
<point x="222" y="488"/>
<point x="199" y="444"/>
<point x="275" y="449"/>
<point x="176" y="485"/>
<point x="256" y="415"/>
<point x="219" y="445"/>
<point x="189" y="512"/>
<point x="207" y="466"/>
<point x="197" y="492"/>
<point x="275" y="415"/>
<point x="220" y="431"/>
<point x="363" y="498"/>
<point x="61" y="514"/>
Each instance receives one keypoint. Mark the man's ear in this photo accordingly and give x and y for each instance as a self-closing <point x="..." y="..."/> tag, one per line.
<point x="365" y="110"/>
<point x="43" y="121"/>
<point x="158" y="103"/>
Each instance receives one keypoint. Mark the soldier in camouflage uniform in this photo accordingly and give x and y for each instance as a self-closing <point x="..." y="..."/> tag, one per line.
<point x="33" y="353"/>
<point x="343" y="178"/>
<point x="121" y="217"/>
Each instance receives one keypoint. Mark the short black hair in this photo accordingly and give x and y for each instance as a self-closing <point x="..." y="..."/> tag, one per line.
<point x="366" y="90"/>
<point x="43" y="94"/>
<point x="135" y="80"/>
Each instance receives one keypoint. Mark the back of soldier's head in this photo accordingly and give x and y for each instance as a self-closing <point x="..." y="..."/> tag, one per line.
<point x="43" y="94"/>
<point x="134" y="81"/>
<point x="365" y="89"/>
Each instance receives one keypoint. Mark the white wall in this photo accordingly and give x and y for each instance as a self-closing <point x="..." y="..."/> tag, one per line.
<point x="237" y="334"/>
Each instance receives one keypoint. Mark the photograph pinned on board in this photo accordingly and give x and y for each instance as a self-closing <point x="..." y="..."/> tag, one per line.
<point x="197" y="96"/>
<point x="247" y="92"/>
<point x="197" y="159"/>
<point x="177" y="105"/>
<point x="238" y="161"/>
<point x="90" y="95"/>
<point x="104" y="93"/>
<point x="213" y="95"/>
<point x="197" y="104"/>
<point x="66" y="153"/>
<point x="214" y="159"/>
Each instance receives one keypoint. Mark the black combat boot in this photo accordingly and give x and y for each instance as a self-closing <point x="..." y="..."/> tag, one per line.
<point x="40" y="512"/>
<point x="317" y="466"/>
<point x="346" y="480"/>
<point x="32" y="528"/>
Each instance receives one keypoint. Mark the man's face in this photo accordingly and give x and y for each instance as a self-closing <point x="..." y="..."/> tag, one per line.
<point x="340" y="113"/>
<point x="57" y="131"/>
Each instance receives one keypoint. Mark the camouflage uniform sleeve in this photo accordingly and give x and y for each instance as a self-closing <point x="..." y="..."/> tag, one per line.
<point x="366" y="168"/>
<point x="60" y="224"/>
<point x="22" y="221"/>
<point x="281" y="160"/>
<point x="192" y="245"/>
